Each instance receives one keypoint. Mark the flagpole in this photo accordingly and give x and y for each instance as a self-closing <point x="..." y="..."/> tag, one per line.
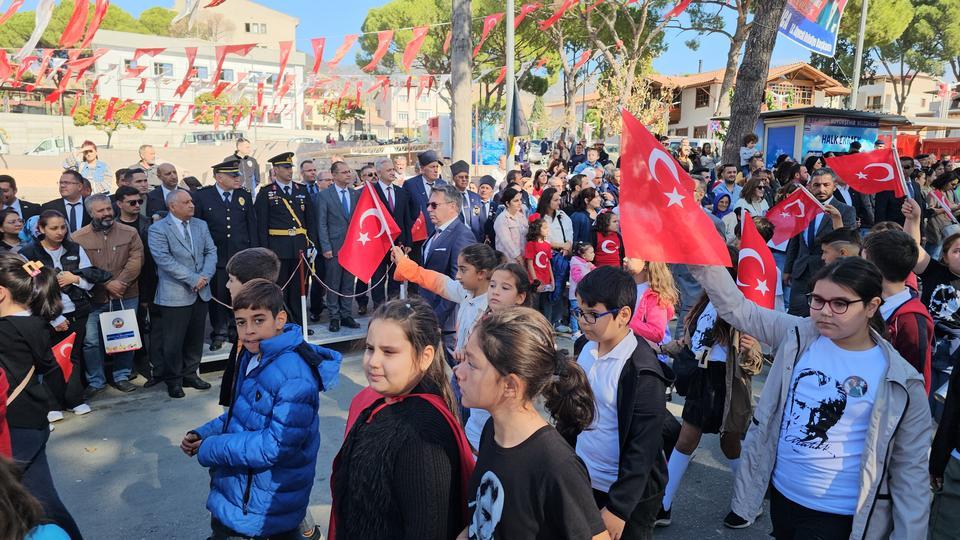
<point x="383" y="225"/>
<point x="820" y="204"/>
<point x="896" y="157"/>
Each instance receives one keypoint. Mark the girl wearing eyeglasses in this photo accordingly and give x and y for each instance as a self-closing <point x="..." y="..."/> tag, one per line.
<point x="841" y="431"/>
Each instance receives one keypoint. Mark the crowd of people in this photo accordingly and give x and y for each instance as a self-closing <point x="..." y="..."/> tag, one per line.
<point x="448" y="439"/>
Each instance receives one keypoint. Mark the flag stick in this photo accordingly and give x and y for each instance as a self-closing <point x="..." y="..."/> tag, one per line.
<point x="820" y="204"/>
<point x="383" y="224"/>
<point x="896" y="157"/>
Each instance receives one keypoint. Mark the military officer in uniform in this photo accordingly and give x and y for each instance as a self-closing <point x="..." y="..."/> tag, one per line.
<point x="286" y="221"/>
<point x="228" y="210"/>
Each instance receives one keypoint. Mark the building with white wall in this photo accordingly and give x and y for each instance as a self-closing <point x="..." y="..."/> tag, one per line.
<point x="243" y="21"/>
<point x="165" y="71"/>
<point x="877" y="95"/>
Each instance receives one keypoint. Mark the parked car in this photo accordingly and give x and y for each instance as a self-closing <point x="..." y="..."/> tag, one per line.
<point x="52" y="146"/>
<point x="210" y="137"/>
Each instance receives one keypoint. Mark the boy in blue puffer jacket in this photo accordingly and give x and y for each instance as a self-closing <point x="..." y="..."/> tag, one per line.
<point x="262" y="453"/>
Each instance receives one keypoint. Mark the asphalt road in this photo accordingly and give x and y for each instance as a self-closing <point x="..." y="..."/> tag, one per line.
<point x="120" y="471"/>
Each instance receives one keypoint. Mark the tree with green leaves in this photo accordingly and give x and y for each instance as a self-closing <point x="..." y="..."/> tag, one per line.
<point x="707" y="18"/>
<point x="15" y="32"/>
<point x="210" y="103"/>
<point x="840" y="66"/>
<point x="930" y="40"/>
<point x="344" y="111"/>
<point x="157" y="20"/>
<point x="122" y="117"/>
<point x="538" y="117"/>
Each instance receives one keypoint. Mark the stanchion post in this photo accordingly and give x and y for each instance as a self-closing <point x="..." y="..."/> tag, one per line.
<point x="303" y="295"/>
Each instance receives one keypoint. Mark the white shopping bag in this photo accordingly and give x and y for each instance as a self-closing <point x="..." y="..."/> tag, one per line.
<point x="120" y="331"/>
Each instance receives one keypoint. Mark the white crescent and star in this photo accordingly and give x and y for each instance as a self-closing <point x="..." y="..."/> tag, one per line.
<point x="799" y="204"/>
<point x="750" y="253"/>
<point x="675" y="198"/>
<point x="885" y="166"/>
<point x="364" y="237"/>
<point x="659" y="156"/>
<point x="536" y="259"/>
<point x="65" y="349"/>
<point x="603" y="247"/>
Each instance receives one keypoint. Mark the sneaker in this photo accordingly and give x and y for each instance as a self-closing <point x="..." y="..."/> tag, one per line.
<point x="81" y="409"/>
<point x="314" y="535"/>
<point x="54" y="416"/>
<point x="92" y="391"/>
<point x="733" y="521"/>
<point x="563" y="329"/>
<point x="663" y="518"/>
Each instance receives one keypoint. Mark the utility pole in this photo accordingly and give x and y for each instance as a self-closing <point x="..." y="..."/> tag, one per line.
<point x="460" y="80"/>
<point x="510" y="81"/>
<point x="858" y="55"/>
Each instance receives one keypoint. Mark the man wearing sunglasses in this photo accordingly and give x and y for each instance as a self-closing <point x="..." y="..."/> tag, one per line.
<point x="887" y="207"/>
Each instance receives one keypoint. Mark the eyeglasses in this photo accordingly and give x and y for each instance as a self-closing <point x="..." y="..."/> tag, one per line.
<point x="435" y="205"/>
<point x="592" y="318"/>
<point x="135" y="202"/>
<point x="369" y="174"/>
<point x="838" y="306"/>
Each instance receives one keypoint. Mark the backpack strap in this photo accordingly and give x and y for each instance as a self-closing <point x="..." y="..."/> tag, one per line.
<point x="22" y="386"/>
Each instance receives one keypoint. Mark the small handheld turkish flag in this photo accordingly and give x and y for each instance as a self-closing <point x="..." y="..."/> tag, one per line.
<point x="756" y="269"/>
<point x="870" y="172"/>
<point x="659" y="219"/>
<point x="368" y="240"/>
<point x="419" y="231"/>
<point x="793" y="214"/>
<point x="62" y="351"/>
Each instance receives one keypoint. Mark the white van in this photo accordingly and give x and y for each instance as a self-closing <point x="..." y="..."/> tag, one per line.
<point x="52" y="146"/>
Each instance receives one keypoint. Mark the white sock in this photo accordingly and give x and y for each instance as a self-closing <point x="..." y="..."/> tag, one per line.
<point x="676" y="468"/>
<point x="735" y="466"/>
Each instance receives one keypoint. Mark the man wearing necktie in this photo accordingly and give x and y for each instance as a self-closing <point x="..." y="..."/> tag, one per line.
<point x="8" y="198"/>
<point x="888" y="207"/>
<point x="334" y="210"/>
<point x="804" y="253"/>
<point x="285" y="219"/>
<point x="396" y="202"/>
<point x="228" y="210"/>
<point x="70" y="203"/>
<point x="309" y="177"/>
<point x="470" y="211"/>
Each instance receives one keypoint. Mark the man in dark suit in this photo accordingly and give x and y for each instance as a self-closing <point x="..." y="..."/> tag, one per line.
<point x="228" y="210"/>
<point x="862" y="204"/>
<point x="421" y="186"/>
<point x="8" y="198"/>
<point x="157" y="199"/>
<point x="488" y="206"/>
<point x="397" y="202"/>
<point x="470" y="214"/>
<point x="334" y="210"/>
<point x="440" y="253"/>
<point x="284" y="221"/>
<point x="186" y="259"/>
<point x="309" y="177"/>
<point x="70" y="203"/>
<point x="804" y="255"/>
<point x="887" y="207"/>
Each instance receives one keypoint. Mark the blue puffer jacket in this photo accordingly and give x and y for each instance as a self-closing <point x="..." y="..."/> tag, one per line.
<point x="262" y="453"/>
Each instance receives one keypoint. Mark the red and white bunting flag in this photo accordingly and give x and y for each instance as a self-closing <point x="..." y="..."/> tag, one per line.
<point x="147" y="52"/>
<point x="11" y="10"/>
<point x="525" y="10"/>
<point x="111" y="109"/>
<point x="870" y="172"/>
<point x="365" y="245"/>
<point x="384" y="38"/>
<point x="489" y="22"/>
<point x="348" y="42"/>
<point x="189" y="113"/>
<point x="756" y="269"/>
<point x="413" y="46"/>
<point x="318" y="44"/>
<point x="503" y="75"/>
<point x="584" y="58"/>
<point x="78" y="21"/>
<point x="98" y="15"/>
<point x="93" y="106"/>
<point x="793" y="214"/>
<point x="140" y="110"/>
<point x="223" y="50"/>
<point x="446" y="41"/>
<point x="659" y="218"/>
<point x="677" y="9"/>
<point x="142" y="86"/>
<point x="173" y="112"/>
<point x="567" y="4"/>
<point x="285" y="48"/>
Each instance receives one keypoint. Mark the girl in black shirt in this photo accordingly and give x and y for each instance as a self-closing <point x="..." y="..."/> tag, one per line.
<point x="528" y="481"/>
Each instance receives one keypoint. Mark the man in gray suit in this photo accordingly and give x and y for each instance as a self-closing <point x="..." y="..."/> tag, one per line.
<point x="186" y="259"/>
<point x="334" y="208"/>
<point x="804" y="255"/>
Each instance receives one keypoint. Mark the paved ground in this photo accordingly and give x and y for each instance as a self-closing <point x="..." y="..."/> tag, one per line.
<point x="120" y="472"/>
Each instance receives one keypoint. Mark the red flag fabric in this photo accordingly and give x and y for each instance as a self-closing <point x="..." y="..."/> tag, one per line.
<point x="418" y="233"/>
<point x="525" y="10"/>
<point x="182" y="89"/>
<point x="62" y="351"/>
<point x="140" y="110"/>
<point x="14" y="6"/>
<point x="190" y="109"/>
<point x="409" y="82"/>
<point x="98" y="15"/>
<point x="792" y="215"/>
<point x="173" y="112"/>
<point x="142" y="86"/>
<point x="214" y="3"/>
<point x="5" y="68"/>
<point x="342" y="51"/>
<point x="222" y="52"/>
<point x="502" y="76"/>
<point x="584" y="58"/>
<point x="384" y="38"/>
<point x="557" y="14"/>
<point x="111" y="109"/>
<point x="287" y="83"/>
<point x="221" y="86"/>
<point x="413" y="46"/>
<point x="659" y="218"/>
<point x="78" y="21"/>
<point x="81" y="65"/>
<point x="318" y="44"/>
<point x="869" y="172"/>
<point x="489" y="22"/>
<point x="365" y="246"/>
<point x="285" y="48"/>
<point x="134" y="72"/>
<point x="260" y="94"/>
<point x="93" y="106"/>
<point x="446" y="42"/>
<point x="147" y="52"/>
<point x="383" y="81"/>
<point x="76" y="103"/>
<point x="677" y="9"/>
<point x="756" y="269"/>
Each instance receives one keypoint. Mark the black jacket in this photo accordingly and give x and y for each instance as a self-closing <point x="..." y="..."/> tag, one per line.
<point x="69" y="262"/>
<point x="156" y="204"/>
<point x="641" y="415"/>
<point x="26" y="343"/>
<point x="233" y="227"/>
<point x="60" y="206"/>
<point x="404" y="212"/>
<point x="29" y="209"/>
<point x="887" y="207"/>
<point x="947" y="438"/>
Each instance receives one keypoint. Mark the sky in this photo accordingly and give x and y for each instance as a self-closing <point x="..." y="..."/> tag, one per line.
<point x="346" y="17"/>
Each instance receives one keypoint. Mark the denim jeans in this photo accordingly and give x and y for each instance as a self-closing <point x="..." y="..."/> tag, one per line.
<point x="574" y="321"/>
<point x="93" y="347"/>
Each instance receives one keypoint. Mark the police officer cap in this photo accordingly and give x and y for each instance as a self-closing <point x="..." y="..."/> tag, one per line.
<point x="282" y="160"/>
<point x="230" y="166"/>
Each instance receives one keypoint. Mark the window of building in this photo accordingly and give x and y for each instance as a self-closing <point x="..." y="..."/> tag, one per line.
<point x="226" y="75"/>
<point x="255" y="28"/>
<point x="163" y="112"/>
<point x="793" y="94"/>
<point x="129" y="64"/>
<point x="422" y="116"/>
<point x="403" y="117"/>
<point x="923" y="102"/>
<point x="202" y="72"/>
<point x="162" y="68"/>
<point x="273" y="118"/>
<point x="699" y="132"/>
<point x="681" y="132"/>
<point x="874" y="103"/>
<point x="703" y="97"/>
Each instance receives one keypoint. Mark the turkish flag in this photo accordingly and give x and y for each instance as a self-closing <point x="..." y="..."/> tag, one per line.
<point x="62" y="351"/>
<point x="338" y="55"/>
<point x="870" y="172"/>
<point x="793" y="214"/>
<point x="368" y="240"/>
<point x="285" y="48"/>
<point x="384" y="38"/>
<point x="78" y="21"/>
<point x="489" y="22"/>
<point x="756" y="269"/>
<point x="413" y="46"/>
<point x="659" y="218"/>
<point x="418" y="233"/>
